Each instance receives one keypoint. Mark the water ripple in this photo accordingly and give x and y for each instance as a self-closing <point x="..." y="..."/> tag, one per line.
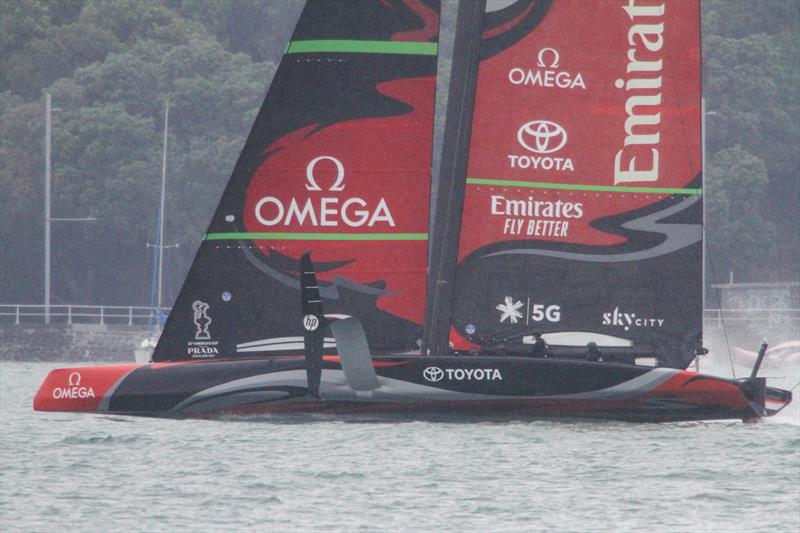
<point x="325" y="473"/>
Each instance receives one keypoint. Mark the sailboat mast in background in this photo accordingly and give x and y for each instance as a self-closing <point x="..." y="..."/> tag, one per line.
<point x="157" y="299"/>
<point x="161" y="208"/>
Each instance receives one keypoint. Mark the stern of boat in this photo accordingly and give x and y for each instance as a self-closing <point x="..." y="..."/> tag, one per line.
<point x="764" y="401"/>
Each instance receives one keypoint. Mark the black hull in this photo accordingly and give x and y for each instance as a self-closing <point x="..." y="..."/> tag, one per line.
<point x="475" y="387"/>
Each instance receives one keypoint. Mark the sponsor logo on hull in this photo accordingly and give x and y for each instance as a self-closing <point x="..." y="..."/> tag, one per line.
<point x="435" y="374"/>
<point x="74" y="389"/>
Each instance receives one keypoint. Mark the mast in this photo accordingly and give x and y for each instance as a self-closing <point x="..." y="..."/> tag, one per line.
<point x="47" y="187"/>
<point x="160" y="245"/>
<point x="452" y="176"/>
<point x="156" y="291"/>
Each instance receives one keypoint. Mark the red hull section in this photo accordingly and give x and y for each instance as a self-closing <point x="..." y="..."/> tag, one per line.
<point x="79" y="389"/>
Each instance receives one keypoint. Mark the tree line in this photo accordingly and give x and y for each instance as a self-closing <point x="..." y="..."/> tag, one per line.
<point x="111" y="64"/>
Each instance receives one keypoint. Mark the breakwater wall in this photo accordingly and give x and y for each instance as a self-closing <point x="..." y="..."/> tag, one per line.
<point x="75" y="342"/>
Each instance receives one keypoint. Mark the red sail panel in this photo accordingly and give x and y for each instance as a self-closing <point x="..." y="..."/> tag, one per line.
<point x="599" y="94"/>
<point x="585" y="146"/>
<point x="364" y="180"/>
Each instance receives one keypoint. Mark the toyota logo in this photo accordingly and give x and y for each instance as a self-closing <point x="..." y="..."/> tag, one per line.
<point x="433" y="373"/>
<point x="542" y="136"/>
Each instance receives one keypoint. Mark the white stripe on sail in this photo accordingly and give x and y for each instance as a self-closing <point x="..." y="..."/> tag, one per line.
<point x="277" y="344"/>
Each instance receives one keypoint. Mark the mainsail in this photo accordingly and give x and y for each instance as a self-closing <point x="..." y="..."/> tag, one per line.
<point x="582" y="203"/>
<point x="337" y="163"/>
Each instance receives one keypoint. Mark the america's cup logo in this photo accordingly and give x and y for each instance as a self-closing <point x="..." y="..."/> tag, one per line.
<point x="201" y="320"/>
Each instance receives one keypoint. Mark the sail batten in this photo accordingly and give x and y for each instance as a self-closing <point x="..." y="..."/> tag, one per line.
<point x="584" y="187"/>
<point x="363" y="47"/>
<point x="234" y="236"/>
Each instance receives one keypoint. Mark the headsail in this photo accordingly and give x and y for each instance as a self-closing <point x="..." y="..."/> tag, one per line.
<point x="338" y="162"/>
<point x="582" y="207"/>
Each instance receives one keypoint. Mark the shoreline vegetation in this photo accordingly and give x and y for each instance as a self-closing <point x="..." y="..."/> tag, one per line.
<point x="110" y="65"/>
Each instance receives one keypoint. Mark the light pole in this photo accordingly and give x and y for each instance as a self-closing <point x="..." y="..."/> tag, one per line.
<point x="48" y="107"/>
<point x="161" y="205"/>
<point x="703" y="114"/>
<point x="47" y="112"/>
<point x="703" y="187"/>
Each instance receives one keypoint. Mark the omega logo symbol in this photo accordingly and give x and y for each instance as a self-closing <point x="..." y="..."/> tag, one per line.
<point x="74" y="379"/>
<point x="312" y="185"/>
<point x="541" y="57"/>
<point x="547" y="137"/>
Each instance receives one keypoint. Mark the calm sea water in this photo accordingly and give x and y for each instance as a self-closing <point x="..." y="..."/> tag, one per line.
<point x="105" y="473"/>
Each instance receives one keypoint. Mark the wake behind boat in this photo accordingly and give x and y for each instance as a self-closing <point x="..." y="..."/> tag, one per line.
<point x="565" y="253"/>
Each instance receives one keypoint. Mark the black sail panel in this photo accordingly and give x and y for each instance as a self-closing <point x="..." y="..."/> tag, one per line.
<point x="337" y="163"/>
<point x="582" y="208"/>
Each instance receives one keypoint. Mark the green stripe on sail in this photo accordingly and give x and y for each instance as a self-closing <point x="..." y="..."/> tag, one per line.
<point x="235" y="236"/>
<point x="579" y="187"/>
<point x="363" y="47"/>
